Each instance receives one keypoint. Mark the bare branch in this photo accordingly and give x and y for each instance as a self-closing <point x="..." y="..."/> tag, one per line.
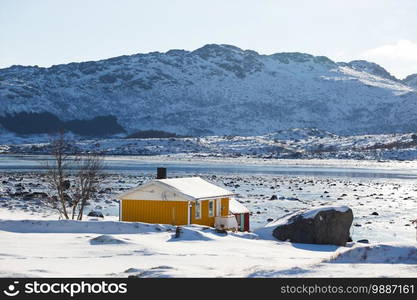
<point x="69" y="197"/>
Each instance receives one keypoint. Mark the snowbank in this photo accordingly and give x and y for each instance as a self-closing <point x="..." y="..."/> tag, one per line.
<point x="73" y="226"/>
<point x="378" y="254"/>
<point x="43" y="248"/>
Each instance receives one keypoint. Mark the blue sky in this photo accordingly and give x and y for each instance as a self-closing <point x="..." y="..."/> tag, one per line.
<point x="48" y="32"/>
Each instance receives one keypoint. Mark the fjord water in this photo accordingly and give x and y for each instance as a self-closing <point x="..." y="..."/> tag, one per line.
<point x="129" y="165"/>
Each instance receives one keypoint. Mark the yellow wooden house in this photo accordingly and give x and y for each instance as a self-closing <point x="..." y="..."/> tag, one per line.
<point x="178" y="201"/>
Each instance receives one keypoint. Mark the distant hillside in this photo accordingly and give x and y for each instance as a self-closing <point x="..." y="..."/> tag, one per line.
<point x="216" y="89"/>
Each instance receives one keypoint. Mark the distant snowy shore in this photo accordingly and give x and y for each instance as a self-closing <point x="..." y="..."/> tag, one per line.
<point x="297" y="143"/>
<point x="300" y="162"/>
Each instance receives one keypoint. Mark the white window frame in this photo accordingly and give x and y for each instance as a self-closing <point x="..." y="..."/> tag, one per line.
<point x="197" y="210"/>
<point x="211" y="213"/>
<point x="218" y="207"/>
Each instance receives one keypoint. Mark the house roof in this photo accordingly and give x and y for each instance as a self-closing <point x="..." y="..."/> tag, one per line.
<point x="235" y="207"/>
<point x="191" y="188"/>
<point x="195" y="187"/>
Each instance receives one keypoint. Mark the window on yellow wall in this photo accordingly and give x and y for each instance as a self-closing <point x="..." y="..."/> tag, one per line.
<point x="211" y="208"/>
<point x="197" y="210"/>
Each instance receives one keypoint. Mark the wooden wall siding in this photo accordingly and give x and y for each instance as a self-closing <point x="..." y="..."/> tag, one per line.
<point x="151" y="211"/>
<point x="169" y="212"/>
<point x="225" y="207"/>
<point x="205" y="219"/>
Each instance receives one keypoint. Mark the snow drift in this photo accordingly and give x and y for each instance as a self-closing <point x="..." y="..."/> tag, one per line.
<point x="378" y="254"/>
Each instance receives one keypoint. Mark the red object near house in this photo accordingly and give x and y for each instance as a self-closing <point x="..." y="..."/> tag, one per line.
<point x="243" y="221"/>
<point x="241" y="213"/>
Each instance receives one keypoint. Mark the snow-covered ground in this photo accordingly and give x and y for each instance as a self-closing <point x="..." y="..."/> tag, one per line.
<point x="46" y="248"/>
<point x="383" y="205"/>
<point x="34" y="243"/>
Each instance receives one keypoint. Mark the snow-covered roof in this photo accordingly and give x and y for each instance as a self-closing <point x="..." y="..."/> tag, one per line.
<point x="235" y="207"/>
<point x="195" y="187"/>
<point x="186" y="188"/>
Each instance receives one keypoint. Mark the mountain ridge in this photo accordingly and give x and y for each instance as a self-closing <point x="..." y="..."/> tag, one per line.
<point x="217" y="89"/>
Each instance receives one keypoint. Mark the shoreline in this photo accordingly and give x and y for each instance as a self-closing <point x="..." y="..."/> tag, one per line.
<point x="296" y="162"/>
<point x="306" y="162"/>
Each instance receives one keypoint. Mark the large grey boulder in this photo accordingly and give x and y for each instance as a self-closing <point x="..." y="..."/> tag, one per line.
<point x="323" y="225"/>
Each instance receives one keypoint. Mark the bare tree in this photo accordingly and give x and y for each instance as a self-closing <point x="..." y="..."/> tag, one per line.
<point x="58" y="174"/>
<point x="90" y="167"/>
<point x="73" y="178"/>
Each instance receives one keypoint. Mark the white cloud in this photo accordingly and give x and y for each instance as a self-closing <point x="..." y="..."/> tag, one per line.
<point x="400" y="58"/>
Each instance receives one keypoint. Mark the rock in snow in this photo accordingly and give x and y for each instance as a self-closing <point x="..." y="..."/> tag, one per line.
<point x="106" y="240"/>
<point x="95" y="213"/>
<point x="324" y="225"/>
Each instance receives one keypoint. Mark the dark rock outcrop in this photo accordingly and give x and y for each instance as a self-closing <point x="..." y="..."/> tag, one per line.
<point x="95" y="213"/>
<point x="325" y="225"/>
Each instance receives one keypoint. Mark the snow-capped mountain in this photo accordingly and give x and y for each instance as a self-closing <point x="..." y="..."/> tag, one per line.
<point x="411" y="80"/>
<point x="369" y="67"/>
<point x="216" y="89"/>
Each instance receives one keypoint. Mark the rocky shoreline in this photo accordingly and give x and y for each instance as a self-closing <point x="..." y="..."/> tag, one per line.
<point x="383" y="208"/>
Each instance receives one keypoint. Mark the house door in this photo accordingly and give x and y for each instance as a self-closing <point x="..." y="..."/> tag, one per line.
<point x="190" y="215"/>
<point x="242" y="222"/>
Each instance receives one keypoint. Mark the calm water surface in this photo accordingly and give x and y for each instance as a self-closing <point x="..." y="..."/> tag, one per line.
<point x="131" y="166"/>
